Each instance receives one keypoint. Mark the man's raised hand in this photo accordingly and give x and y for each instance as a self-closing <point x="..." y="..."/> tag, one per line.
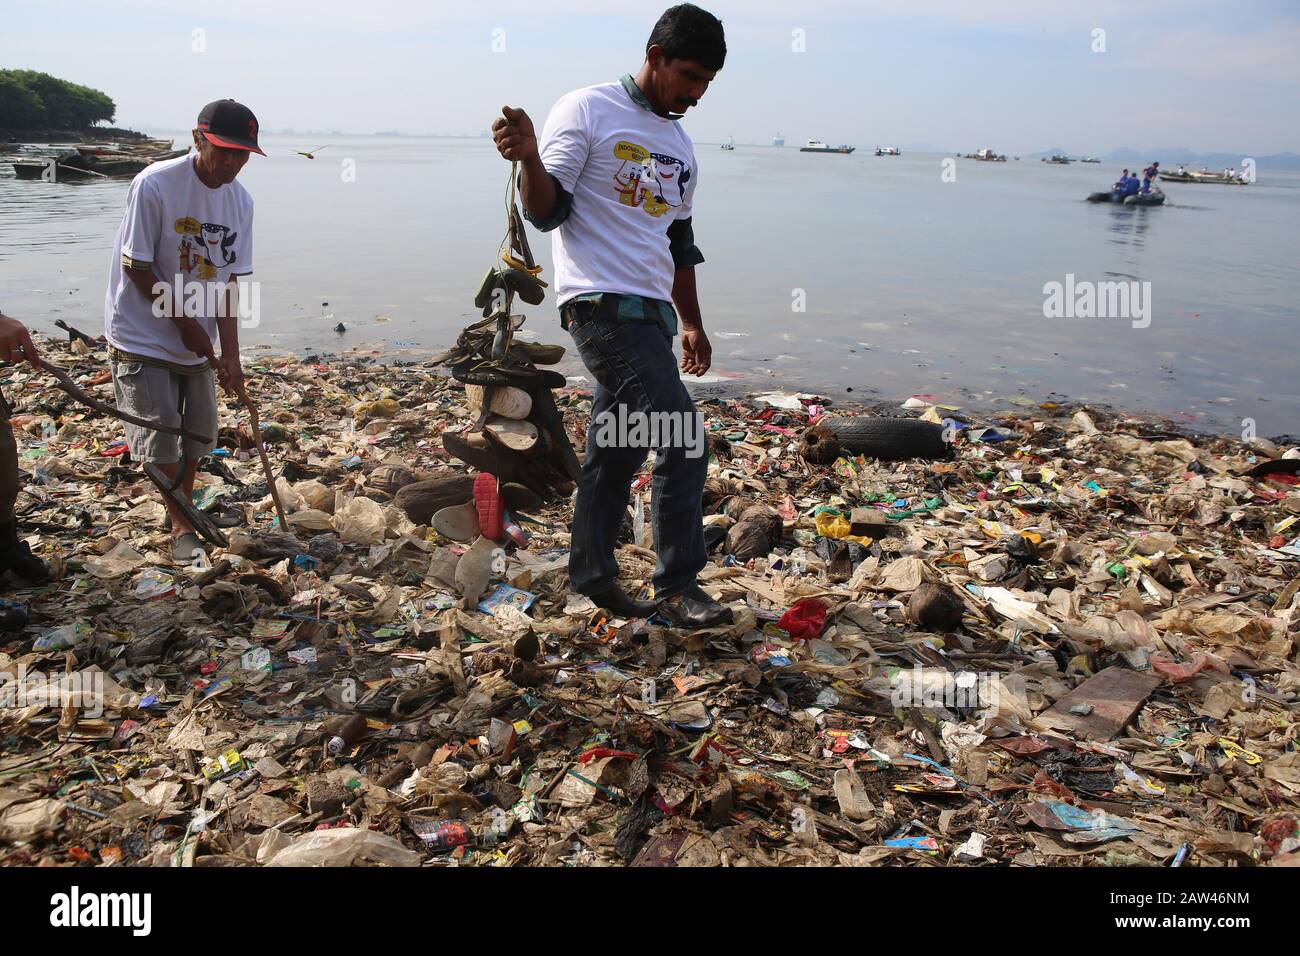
<point x="513" y="133"/>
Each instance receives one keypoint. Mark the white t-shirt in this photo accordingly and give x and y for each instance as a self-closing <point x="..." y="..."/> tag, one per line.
<point x="179" y="228"/>
<point x="631" y="173"/>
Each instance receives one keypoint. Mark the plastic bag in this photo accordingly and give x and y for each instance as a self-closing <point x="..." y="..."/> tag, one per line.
<point x="359" y="520"/>
<point x="347" y="846"/>
<point x="805" y="619"/>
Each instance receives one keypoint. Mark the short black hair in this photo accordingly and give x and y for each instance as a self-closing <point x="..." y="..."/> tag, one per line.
<point x="685" y="32"/>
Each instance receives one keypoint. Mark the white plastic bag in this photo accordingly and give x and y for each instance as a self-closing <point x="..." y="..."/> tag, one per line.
<point x="359" y="521"/>
<point x="347" y="846"/>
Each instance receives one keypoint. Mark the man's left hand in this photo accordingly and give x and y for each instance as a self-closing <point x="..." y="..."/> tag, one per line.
<point x="697" y="353"/>
<point x="230" y="373"/>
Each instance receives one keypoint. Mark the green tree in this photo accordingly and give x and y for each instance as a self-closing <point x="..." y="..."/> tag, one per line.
<point x="30" y="100"/>
<point x="20" y="107"/>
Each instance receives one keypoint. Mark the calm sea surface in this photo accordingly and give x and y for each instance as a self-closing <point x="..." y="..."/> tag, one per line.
<point x="909" y="284"/>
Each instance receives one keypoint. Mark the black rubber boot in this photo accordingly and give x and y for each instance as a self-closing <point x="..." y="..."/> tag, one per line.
<point x="17" y="557"/>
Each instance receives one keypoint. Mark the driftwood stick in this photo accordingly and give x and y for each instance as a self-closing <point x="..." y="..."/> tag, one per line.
<point x="261" y="452"/>
<point x="66" y="383"/>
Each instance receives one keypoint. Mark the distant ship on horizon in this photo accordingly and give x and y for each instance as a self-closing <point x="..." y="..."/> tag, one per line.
<point x="778" y="140"/>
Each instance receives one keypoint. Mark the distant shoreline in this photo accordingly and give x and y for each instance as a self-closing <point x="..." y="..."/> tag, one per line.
<point x="93" y="134"/>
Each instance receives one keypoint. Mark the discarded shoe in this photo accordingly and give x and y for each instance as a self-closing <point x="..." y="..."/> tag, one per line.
<point x="693" y="608"/>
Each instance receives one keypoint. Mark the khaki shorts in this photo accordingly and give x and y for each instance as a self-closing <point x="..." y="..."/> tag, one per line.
<point x="154" y="393"/>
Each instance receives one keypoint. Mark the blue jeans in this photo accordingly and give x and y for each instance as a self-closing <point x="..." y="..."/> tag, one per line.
<point x="634" y="366"/>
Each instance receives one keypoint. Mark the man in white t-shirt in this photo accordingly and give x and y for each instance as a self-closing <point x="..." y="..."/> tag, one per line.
<point x="615" y="177"/>
<point x="173" y="291"/>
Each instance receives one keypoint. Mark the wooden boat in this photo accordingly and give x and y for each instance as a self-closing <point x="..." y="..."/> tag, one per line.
<point x="1192" y="177"/>
<point x="34" y="169"/>
<point x="75" y="167"/>
<point x="817" y="146"/>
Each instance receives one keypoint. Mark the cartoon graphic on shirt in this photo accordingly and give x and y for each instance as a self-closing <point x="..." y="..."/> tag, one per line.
<point x="654" y="181"/>
<point x="205" y="246"/>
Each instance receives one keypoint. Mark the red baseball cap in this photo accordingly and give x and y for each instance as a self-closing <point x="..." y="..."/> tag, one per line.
<point x="229" y="124"/>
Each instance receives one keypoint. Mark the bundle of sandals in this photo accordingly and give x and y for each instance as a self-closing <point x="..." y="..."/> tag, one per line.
<point x="516" y="440"/>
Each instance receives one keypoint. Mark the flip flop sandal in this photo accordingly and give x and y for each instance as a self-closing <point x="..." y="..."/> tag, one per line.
<point x="537" y="352"/>
<point x="227" y="517"/>
<point x="519" y="436"/>
<point x="475" y="568"/>
<point x="482" y="458"/>
<point x="552" y="423"/>
<point x="458" y="522"/>
<point x="487" y="499"/>
<point x="503" y="338"/>
<point x="519" y="240"/>
<point x="507" y="401"/>
<point x="529" y="379"/>
<point x="512" y="529"/>
<point x="183" y="548"/>
<point x="484" y="294"/>
<point x="518" y="498"/>
<point x="528" y="287"/>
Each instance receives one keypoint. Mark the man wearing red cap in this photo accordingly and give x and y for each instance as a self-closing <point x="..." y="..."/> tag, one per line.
<point x="173" y="291"/>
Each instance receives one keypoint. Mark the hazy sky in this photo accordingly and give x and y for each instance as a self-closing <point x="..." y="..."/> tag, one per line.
<point x="1015" y="75"/>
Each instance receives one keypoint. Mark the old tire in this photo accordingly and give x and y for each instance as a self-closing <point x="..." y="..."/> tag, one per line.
<point x="889" y="439"/>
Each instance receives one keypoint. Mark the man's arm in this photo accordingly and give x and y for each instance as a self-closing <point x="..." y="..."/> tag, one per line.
<point x="548" y="177"/>
<point x="229" y="370"/>
<point x="697" y="352"/>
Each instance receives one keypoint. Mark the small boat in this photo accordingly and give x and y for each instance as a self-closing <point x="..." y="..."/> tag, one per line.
<point x="1214" y="178"/>
<point x="986" y="156"/>
<point x="888" y="151"/>
<point x="778" y="140"/>
<point x="1154" y="198"/>
<point x="75" y="166"/>
<point x="729" y="144"/>
<point x="1090" y="159"/>
<point x="34" y="169"/>
<point x="817" y="146"/>
<point x="1058" y="160"/>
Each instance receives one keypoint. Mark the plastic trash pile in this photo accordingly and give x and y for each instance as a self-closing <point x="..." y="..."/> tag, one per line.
<point x="1070" y="641"/>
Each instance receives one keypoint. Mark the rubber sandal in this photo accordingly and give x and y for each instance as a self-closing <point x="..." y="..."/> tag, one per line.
<point x="183" y="548"/>
<point x="457" y="522"/>
<point x="487" y="499"/>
